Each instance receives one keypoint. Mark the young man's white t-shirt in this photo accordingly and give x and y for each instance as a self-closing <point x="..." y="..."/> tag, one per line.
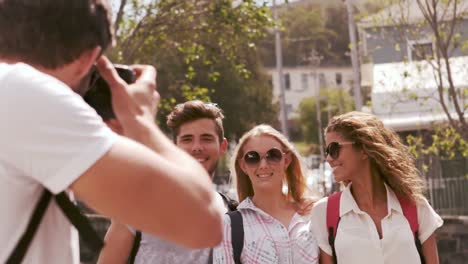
<point x="48" y="137"/>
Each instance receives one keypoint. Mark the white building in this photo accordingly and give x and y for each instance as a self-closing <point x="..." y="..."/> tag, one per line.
<point x="401" y="72"/>
<point x="301" y="82"/>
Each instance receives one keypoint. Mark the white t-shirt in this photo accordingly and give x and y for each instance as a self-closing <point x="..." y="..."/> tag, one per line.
<point x="357" y="239"/>
<point x="155" y="250"/>
<point x="48" y="137"/>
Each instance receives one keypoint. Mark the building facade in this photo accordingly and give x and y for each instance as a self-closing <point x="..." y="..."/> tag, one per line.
<point x="303" y="81"/>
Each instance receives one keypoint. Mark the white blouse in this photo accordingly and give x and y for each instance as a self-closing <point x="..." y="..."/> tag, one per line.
<point x="357" y="239"/>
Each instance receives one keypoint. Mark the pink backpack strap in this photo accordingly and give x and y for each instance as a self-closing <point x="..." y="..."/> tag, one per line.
<point x="410" y="211"/>
<point x="333" y="213"/>
<point x="333" y="218"/>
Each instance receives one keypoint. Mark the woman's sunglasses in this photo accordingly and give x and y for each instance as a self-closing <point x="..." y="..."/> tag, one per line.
<point x="272" y="156"/>
<point x="333" y="149"/>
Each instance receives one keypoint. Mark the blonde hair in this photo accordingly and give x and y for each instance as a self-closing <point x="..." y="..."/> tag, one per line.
<point x="294" y="174"/>
<point x="387" y="154"/>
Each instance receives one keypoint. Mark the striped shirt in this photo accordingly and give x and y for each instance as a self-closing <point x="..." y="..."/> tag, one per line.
<point x="267" y="240"/>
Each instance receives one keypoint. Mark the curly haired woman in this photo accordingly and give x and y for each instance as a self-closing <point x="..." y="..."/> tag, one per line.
<point x="379" y="173"/>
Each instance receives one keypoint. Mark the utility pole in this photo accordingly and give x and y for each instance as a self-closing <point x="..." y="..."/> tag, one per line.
<point x="354" y="56"/>
<point x="279" y="69"/>
<point x="314" y="59"/>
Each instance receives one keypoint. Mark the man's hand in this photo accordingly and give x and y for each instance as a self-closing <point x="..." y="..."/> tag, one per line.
<point x="135" y="105"/>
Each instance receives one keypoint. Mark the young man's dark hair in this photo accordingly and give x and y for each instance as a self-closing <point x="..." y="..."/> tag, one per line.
<point x="58" y="33"/>
<point x="193" y="110"/>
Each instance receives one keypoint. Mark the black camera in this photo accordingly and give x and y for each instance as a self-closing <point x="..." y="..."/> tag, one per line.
<point x="99" y="95"/>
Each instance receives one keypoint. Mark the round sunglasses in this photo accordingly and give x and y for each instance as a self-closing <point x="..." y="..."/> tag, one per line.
<point x="272" y="156"/>
<point x="333" y="149"/>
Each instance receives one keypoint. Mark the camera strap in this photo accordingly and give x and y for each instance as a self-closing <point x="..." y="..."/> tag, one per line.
<point x="73" y="214"/>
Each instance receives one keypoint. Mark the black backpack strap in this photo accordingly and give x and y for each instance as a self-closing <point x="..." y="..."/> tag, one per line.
<point x="231" y="204"/>
<point x="89" y="235"/>
<point x="237" y="235"/>
<point x="22" y="246"/>
<point x="419" y="248"/>
<point x="135" y="247"/>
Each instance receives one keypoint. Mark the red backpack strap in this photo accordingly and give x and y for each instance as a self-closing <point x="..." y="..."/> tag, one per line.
<point x="333" y="218"/>
<point x="410" y="211"/>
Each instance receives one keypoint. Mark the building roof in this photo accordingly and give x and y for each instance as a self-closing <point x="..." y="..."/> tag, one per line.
<point x="415" y="121"/>
<point x="405" y="95"/>
<point x="409" y="12"/>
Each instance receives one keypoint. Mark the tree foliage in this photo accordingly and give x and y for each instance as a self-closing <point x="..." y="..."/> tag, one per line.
<point x="307" y="27"/>
<point x="445" y="143"/>
<point x="203" y="50"/>
<point x="333" y="102"/>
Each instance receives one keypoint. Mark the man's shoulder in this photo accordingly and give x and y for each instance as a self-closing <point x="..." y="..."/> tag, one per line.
<point x="23" y="81"/>
<point x="21" y="72"/>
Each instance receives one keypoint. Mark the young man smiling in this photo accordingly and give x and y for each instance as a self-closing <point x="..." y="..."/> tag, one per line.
<point x="198" y="130"/>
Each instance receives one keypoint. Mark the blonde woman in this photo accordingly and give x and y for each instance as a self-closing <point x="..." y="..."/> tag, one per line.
<point x="275" y="224"/>
<point x="381" y="175"/>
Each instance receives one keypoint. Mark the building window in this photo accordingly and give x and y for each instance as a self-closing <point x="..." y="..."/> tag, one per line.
<point x="289" y="109"/>
<point x="287" y="81"/>
<point x="304" y="81"/>
<point x="420" y="50"/>
<point x="322" y="80"/>
<point x="338" y="78"/>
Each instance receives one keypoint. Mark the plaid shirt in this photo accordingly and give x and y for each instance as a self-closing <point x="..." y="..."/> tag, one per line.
<point x="266" y="240"/>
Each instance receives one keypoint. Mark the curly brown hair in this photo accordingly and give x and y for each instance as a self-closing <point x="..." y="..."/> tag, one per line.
<point x="387" y="154"/>
<point x="297" y="187"/>
<point x="194" y="110"/>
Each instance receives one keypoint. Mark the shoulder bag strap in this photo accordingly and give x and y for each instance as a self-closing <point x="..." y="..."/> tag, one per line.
<point x="81" y="223"/>
<point x="22" y="246"/>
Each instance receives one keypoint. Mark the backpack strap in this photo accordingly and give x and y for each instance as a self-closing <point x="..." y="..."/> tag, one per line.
<point x="333" y="219"/>
<point x="410" y="211"/>
<point x="135" y="247"/>
<point x="73" y="214"/>
<point x="22" y="246"/>
<point x="231" y="204"/>
<point x="237" y="234"/>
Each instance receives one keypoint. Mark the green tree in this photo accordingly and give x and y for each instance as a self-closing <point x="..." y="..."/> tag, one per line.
<point x="203" y="50"/>
<point x="333" y="102"/>
<point x="307" y="27"/>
